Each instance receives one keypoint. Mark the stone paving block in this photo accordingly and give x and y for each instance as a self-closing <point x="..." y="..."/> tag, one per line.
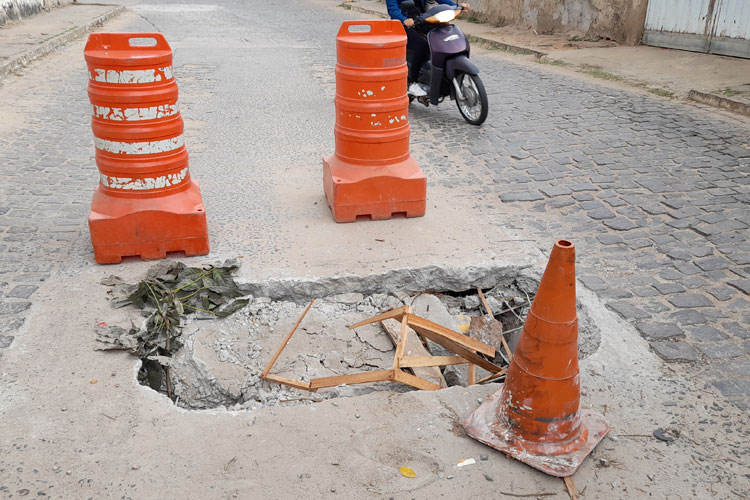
<point x="707" y="334"/>
<point x="675" y="351"/>
<point x="609" y="239"/>
<point x="6" y="341"/>
<point x="593" y="282"/>
<point x="601" y="213"/>
<point x="737" y="330"/>
<point x="686" y="317"/>
<point x="13" y="307"/>
<point x="645" y="292"/>
<point x="722" y="293"/>
<point x="700" y="251"/>
<point x="741" y="259"/>
<point x="615" y="202"/>
<point x="22" y="291"/>
<point x="551" y="191"/>
<point x="521" y="196"/>
<point x="628" y="310"/>
<point x="620" y="224"/>
<point x="713" y="263"/>
<point x="743" y="285"/>
<point x="660" y="330"/>
<point x="690" y="300"/>
<point x="727" y="350"/>
<point x="679" y="255"/>
<point x="583" y="196"/>
<point x="687" y="268"/>
<point x="667" y="288"/>
<point x="730" y="388"/>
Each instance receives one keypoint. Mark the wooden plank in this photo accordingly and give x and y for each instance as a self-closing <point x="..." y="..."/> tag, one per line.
<point x="286" y="341"/>
<point x="408" y="379"/>
<point x="414" y="348"/>
<point x="489" y="311"/>
<point x="456" y="338"/>
<point x="287" y="381"/>
<point x="354" y="378"/>
<point x="492" y="376"/>
<point x="456" y="347"/>
<point x="396" y="313"/>
<point x="403" y="335"/>
<point x="472" y="374"/>
<point x="420" y="361"/>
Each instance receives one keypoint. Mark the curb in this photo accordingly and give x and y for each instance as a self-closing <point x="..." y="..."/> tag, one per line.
<point x="515" y="49"/>
<point x="719" y="102"/>
<point x="57" y="41"/>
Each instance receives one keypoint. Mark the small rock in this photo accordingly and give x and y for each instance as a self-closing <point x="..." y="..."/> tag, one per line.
<point x="612" y="437"/>
<point x="663" y="435"/>
<point x="488" y="478"/>
<point x="650" y="477"/>
<point x="333" y="490"/>
<point x="334" y="462"/>
<point x="448" y="477"/>
<point x="604" y="462"/>
<point x="484" y="458"/>
<point x="356" y="415"/>
<point x="68" y="472"/>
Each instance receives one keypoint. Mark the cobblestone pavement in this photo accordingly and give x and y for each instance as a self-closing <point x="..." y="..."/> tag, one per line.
<point x="654" y="194"/>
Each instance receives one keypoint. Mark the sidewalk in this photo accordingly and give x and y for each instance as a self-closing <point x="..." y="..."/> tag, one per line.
<point x="23" y="41"/>
<point x="718" y="81"/>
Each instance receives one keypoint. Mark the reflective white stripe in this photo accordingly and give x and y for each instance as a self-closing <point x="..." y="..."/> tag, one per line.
<point x="145" y="183"/>
<point x="140" y="148"/>
<point x="131" y="76"/>
<point x="136" y="114"/>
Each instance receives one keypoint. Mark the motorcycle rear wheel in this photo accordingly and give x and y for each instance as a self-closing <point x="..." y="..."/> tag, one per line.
<point x="473" y="107"/>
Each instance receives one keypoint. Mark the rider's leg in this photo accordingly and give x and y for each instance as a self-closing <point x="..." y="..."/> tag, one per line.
<point x="420" y="52"/>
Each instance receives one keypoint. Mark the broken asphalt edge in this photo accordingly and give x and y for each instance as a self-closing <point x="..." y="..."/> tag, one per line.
<point x="694" y="95"/>
<point x="23" y="59"/>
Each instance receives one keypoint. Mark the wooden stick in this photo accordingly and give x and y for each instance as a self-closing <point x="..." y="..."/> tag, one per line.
<point x="354" y="378"/>
<point x="419" y="361"/>
<point x="502" y="336"/>
<point x="414" y="381"/>
<point x="571" y="488"/>
<point x="414" y="348"/>
<point x="404" y="333"/>
<point x="455" y="337"/>
<point x="472" y="374"/>
<point x="286" y="341"/>
<point x="291" y="383"/>
<point x="525" y="495"/>
<point x="392" y="313"/>
<point x="492" y="376"/>
<point x="455" y="347"/>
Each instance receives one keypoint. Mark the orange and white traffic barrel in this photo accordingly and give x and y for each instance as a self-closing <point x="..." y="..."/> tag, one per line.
<point x="146" y="203"/>
<point x="372" y="172"/>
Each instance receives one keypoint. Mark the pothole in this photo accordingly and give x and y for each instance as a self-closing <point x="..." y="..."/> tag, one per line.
<point x="220" y="362"/>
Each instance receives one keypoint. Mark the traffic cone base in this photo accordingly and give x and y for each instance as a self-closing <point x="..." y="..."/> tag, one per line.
<point x="559" y="459"/>
<point x="148" y="227"/>
<point x="378" y="191"/>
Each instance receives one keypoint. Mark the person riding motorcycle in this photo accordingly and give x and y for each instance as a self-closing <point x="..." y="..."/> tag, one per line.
<point x="416" y="42"/>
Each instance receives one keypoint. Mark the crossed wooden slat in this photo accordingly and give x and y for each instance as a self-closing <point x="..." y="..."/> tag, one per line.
<point x="467" y="350"/>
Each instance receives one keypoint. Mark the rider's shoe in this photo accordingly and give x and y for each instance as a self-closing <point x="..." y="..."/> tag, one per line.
<point x="416" y="90"/>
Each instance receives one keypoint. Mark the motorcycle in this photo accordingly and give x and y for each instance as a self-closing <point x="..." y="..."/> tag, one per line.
<point x="449" y="72"/>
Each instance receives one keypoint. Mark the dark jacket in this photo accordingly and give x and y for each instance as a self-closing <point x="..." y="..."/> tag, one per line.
<point x="394" y="10"/>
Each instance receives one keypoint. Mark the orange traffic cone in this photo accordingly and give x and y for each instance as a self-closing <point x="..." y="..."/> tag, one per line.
<point x="536" y="416"/>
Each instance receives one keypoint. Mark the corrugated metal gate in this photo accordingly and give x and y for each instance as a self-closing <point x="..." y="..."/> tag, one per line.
<point x="713" y="26"/>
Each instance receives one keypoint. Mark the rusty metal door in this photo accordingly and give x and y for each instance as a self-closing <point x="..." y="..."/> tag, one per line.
<point x="713" y="26"/>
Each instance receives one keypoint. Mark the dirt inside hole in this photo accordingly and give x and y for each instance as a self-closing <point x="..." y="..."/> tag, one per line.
<point x="221" y="360"/>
